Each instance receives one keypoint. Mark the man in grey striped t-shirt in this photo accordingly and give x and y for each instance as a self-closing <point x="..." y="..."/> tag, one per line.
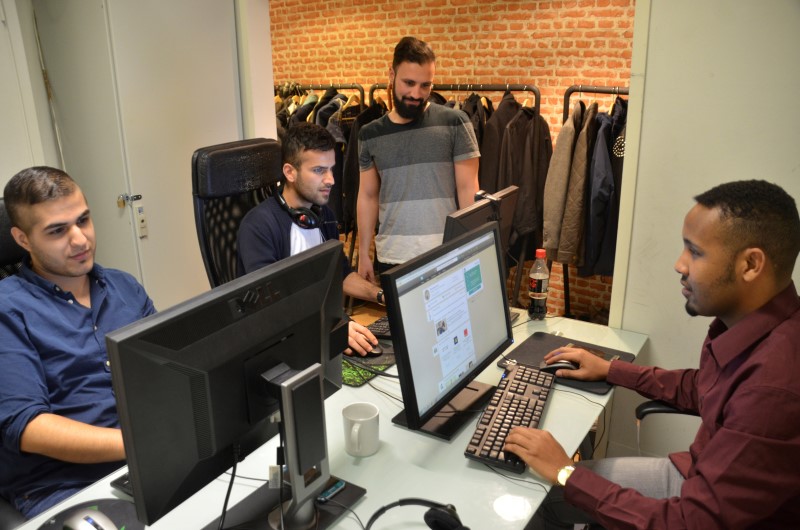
<point x="416" y="162"/>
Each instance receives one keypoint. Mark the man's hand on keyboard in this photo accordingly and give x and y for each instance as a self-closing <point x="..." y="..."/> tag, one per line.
<point x="539" y="450"/>
<point x="360" y="339"/>
<point x="590" y="366"/>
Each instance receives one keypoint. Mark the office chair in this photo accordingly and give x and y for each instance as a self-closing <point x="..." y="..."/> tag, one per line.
<point x="227" y="181"/>
<point x="11" y="254"/>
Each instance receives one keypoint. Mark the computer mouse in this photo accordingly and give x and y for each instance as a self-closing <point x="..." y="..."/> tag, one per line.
<point x="376" y="351"/>
<point x="88" y="519"/>
<point x="562" y="364"/>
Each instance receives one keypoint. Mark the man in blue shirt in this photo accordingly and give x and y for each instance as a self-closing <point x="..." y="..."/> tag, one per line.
<point x="59" y="430"/>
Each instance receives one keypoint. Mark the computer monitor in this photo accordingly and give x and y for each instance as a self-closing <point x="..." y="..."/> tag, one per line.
<point x="197" y="384"/>
<point x="498" y="207"/>
<point x="449" y="318"/>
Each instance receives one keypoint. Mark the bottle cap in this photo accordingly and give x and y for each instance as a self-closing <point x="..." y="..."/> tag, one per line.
<point x="541" y="253"/>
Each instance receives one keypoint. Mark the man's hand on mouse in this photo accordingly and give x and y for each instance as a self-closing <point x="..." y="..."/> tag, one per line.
<point x="360" y="339"/>
<point x="590" y="366"/>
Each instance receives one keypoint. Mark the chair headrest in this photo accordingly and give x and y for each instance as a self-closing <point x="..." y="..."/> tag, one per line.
<point x="236" y="167"/>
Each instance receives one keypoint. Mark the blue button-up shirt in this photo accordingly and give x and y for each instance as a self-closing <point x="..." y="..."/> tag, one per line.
<point x="53" y="360"/>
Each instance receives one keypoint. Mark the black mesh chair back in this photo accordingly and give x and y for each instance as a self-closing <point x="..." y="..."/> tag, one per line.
<point x="11" y="254"/>
<point x="227" y="181"/>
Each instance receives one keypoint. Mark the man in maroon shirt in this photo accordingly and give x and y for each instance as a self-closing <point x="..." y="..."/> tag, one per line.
<point x="741" y="241"/>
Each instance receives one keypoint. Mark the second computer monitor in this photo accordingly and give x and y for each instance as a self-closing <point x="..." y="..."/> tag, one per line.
<point x="449" y="317"/>
<point x="498" y="207"/>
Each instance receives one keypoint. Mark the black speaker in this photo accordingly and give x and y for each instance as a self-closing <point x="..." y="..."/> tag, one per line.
<point x="438" y="517"/>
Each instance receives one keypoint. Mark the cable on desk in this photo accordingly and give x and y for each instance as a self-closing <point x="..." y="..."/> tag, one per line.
<point x="515" y="479"/>
<point x="339" y="504"/>
<point x="602" y="412"/>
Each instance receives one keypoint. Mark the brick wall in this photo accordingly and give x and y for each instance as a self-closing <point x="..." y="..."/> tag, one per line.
<point x="551" y="44"/>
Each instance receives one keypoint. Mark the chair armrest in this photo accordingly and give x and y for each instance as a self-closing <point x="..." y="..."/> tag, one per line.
<point x="658" y="407"/>
<point x="9" y="516"/>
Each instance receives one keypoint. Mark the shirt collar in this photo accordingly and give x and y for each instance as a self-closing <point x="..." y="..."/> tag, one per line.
<point x="727" y="344"/>
<point x="96" y="275"/>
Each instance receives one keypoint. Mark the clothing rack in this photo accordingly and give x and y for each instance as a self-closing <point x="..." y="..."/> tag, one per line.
<point x="496" y="87"/>
<point x="472" y="87"/>
<point x="620" y="91"/>
<point x="337" y="86"/>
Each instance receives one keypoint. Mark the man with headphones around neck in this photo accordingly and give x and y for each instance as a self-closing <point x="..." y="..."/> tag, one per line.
<point x="296" y="218"/>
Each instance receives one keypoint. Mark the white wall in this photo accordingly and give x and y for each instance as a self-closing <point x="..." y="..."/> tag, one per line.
<point x="26" y="134"/>
<point x="716" y="82"/>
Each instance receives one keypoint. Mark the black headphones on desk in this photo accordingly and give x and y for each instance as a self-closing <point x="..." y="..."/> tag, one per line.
<point x="438" y="517"/>
<point x="302" y="217"/>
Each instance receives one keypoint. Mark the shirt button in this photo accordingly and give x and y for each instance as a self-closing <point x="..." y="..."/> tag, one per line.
<point x="108" y="364"/>
<point x="69" y="301"/>
<point x="95" y="328"/>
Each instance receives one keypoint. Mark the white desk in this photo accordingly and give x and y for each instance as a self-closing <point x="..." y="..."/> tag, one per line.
<point x="411" y="464"/>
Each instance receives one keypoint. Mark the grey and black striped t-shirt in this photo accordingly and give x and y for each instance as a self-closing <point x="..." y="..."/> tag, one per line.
<point x="415" y="165"/>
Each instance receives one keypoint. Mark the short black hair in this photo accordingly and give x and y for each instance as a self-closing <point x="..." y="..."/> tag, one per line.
<point x="412" y="50"/>
<point x="758" y="214"/>
<point x="35" y="185"/>
<point x="304" y="136"/>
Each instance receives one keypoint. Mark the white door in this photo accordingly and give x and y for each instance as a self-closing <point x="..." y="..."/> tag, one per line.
<point x="77" y="56"/>
<point x="139" y="86"/>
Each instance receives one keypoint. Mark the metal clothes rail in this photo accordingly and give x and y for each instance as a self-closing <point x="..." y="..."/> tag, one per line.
<point x="475" y="87"/>
<point x="337" y="86"/>
<point x="580" y="89"/>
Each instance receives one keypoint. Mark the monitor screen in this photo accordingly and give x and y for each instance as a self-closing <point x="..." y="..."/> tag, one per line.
<point x="449" y="317"/>
<point x="498" y="207"/>
<point x="190" y="381"/>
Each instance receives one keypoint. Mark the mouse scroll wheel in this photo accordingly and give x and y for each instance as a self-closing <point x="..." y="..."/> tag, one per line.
<point x="92" y="522"/>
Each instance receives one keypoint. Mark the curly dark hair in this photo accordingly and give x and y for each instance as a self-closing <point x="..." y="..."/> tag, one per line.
<point x="758" y="214"/>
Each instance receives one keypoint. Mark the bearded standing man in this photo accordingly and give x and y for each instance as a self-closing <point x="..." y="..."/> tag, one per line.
<point x="418" y="164"/>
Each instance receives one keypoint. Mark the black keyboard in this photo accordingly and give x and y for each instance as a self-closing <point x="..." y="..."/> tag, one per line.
<point x="519" y="399"/>
<point x="123" y="483"/>
<point x="380" y="328"/>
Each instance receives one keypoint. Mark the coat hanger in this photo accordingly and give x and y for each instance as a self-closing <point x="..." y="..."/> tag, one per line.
<point x="354" y="99"/>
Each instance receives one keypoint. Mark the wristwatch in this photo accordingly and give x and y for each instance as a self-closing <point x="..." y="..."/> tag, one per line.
<point x="564" y="474"/>
<point x="379" y="297"/>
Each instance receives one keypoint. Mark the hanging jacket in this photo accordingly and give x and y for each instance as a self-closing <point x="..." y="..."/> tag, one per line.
<point x="570" y="247"/>
<point x="492" y="141"/>
<point x="555" y="189"/>
<point x="525" y="157"/>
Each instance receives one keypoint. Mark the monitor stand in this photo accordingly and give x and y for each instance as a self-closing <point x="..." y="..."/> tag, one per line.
<point x="456" y="413"/>
<point x="253" y="511"/>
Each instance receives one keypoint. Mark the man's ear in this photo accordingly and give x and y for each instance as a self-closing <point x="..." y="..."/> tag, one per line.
<point x="21" y="238"/>
<point x="290" y="172"/>
<point x="753" y="262"/>
<point x="391" y="75"/>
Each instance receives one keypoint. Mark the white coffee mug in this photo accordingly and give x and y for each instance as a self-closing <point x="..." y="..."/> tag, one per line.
<point x="361" y="429"/>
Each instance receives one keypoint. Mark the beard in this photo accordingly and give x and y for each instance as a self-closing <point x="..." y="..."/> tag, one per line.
<point x="409" y="112"/>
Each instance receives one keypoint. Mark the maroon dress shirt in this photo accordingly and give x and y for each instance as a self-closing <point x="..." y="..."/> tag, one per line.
<point x="743" y="468"/>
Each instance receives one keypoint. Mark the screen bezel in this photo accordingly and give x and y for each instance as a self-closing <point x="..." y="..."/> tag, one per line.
<point x="414" y="419"/>
<point x="309" y="281"/>
<point x="483" y="211"/>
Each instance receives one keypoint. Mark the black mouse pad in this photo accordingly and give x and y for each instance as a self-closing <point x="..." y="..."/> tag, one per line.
<point x="354" y="375"/>
<point x="532" y="350"/>
<point x="121" y="512"/>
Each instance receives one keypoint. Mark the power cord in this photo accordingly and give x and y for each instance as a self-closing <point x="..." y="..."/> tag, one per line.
<point x="340" y="505"/>
<point x="236" y="459"/>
